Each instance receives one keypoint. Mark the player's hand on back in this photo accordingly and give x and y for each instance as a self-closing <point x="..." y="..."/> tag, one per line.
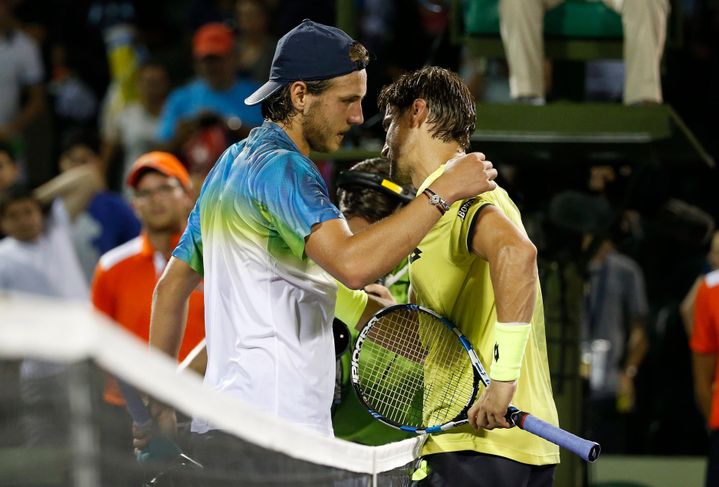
<point x="465" y="176"/>
<point x="489" y="410"/>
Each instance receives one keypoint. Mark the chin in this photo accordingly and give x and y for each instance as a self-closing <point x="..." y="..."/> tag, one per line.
<point x="325" y="147"/>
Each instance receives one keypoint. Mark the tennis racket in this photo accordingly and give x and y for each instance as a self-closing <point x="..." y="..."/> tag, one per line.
<point x="414" y="370"/>
<point x="160" y="448"/>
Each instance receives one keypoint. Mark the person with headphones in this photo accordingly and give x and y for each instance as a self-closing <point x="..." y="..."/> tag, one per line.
<point x="366" y="195"/>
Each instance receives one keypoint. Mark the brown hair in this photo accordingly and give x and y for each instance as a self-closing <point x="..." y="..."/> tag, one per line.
<point x="452" y="110"/>
<point x="359" y="200"/>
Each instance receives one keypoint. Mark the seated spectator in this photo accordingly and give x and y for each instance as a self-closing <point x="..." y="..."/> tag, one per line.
<point x="645" y="25"/>
<point x="255" y="44"/>
<point x="216" y="88"/>
<point x="40" y="241"/>
<point x="132" y="131"/>
<point x="101" y="219"/>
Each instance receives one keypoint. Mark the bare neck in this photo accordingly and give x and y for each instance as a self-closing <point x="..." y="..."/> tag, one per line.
<point x="428" y="156"/>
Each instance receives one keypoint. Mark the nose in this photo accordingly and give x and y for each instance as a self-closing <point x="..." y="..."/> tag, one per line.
<point x="356" y="116"/>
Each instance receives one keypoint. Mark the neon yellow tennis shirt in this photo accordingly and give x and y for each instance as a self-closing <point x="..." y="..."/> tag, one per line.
<point x="449" y="279"/>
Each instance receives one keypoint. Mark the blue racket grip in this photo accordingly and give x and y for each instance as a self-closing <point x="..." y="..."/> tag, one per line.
<point x="159" y="447"/>
<point x="135" y="406"/>
<point x="585" y="449"/>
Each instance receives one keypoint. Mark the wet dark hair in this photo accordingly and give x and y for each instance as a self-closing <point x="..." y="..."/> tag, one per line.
<point x="452" y="110"/>
<point x="278" y="106"/>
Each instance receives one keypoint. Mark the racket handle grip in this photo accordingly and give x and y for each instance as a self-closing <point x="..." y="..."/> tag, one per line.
<point x="135" y="406"/>
<point x="585" y="449"/>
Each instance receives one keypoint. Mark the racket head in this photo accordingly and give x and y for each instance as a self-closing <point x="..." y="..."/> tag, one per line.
<point x="414" y="370"/>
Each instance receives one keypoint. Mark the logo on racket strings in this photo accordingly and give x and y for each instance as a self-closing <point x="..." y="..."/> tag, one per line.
<point x="354" y="370"/>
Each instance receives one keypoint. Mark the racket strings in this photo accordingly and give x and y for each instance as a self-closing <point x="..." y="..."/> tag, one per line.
<point x="448" y="373"/>
<point x="392" y="368"/>
<point x="414" y="371"/>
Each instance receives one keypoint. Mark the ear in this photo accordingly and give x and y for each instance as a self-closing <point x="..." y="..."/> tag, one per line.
<point x="419" y="111"/>
<point x="298" y="94"/>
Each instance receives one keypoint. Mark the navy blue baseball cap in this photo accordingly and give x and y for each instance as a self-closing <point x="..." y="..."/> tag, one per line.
<point x="309" y="52"/>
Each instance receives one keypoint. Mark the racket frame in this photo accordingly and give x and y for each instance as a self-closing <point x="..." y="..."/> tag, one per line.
<point x="586" y="449"/>
<point x="479" y="374"/>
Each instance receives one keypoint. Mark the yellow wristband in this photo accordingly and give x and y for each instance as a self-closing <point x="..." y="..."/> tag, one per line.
<point x="510" y="340"/>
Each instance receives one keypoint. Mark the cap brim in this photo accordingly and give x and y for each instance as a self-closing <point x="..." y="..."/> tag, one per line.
<point x="263" y="92"/>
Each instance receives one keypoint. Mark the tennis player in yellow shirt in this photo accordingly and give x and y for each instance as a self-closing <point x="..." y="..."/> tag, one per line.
<point x="478" y="268"/>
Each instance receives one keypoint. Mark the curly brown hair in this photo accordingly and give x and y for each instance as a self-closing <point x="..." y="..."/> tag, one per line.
<point x="452" y="110"/>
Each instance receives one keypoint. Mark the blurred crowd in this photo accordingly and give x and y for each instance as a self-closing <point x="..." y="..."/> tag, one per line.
<point x="89" y="87"/>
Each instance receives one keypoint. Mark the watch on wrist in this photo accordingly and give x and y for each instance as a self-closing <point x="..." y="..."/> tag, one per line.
<point x="437" y="201"/>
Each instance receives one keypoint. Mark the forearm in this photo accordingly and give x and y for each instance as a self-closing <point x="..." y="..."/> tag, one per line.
<point x="360" y="259"/>
<point x="356" y="261"/>
<point x="75" y="186"/>
<point x="686" y="308"/>
<point x="637" y="348"/>
<point x="169" y="306"/>
<point x="703" y="370"/>
<point x="704" y="400"/>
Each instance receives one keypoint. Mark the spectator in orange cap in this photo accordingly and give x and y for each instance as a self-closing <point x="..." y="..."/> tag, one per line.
<point x="215" y="90"/>
<point x="125" y="277"/>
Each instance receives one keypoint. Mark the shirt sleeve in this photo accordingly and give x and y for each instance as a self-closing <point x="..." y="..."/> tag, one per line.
<point x="704" y="332"/>
<point x="464" y="223"/>
<point x="294" y="198"/>
<point x="189" y="249"/>
<point x="350" y="304"/>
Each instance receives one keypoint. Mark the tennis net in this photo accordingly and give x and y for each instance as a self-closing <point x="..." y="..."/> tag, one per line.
<point x="56" y="429"/>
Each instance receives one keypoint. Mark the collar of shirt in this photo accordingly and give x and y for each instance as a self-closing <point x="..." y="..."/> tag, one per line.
<point x="158" y="258"/>
<point x="430" y="179"/>
<point x="270" y="130"/>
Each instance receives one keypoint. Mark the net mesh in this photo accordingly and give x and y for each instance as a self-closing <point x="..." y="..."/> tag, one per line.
<point x="413" y="369"/>
<point x="56" y="429"/>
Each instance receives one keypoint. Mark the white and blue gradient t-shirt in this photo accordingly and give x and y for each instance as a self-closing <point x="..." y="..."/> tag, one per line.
<point x="268" y="307"/>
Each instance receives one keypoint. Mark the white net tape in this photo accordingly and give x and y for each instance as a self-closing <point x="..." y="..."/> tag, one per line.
<point x="62" y="331"/>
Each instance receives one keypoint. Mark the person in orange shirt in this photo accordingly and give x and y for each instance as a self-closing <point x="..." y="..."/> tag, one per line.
<point x="125" y="277"/>
<point x="705" y="347"/>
